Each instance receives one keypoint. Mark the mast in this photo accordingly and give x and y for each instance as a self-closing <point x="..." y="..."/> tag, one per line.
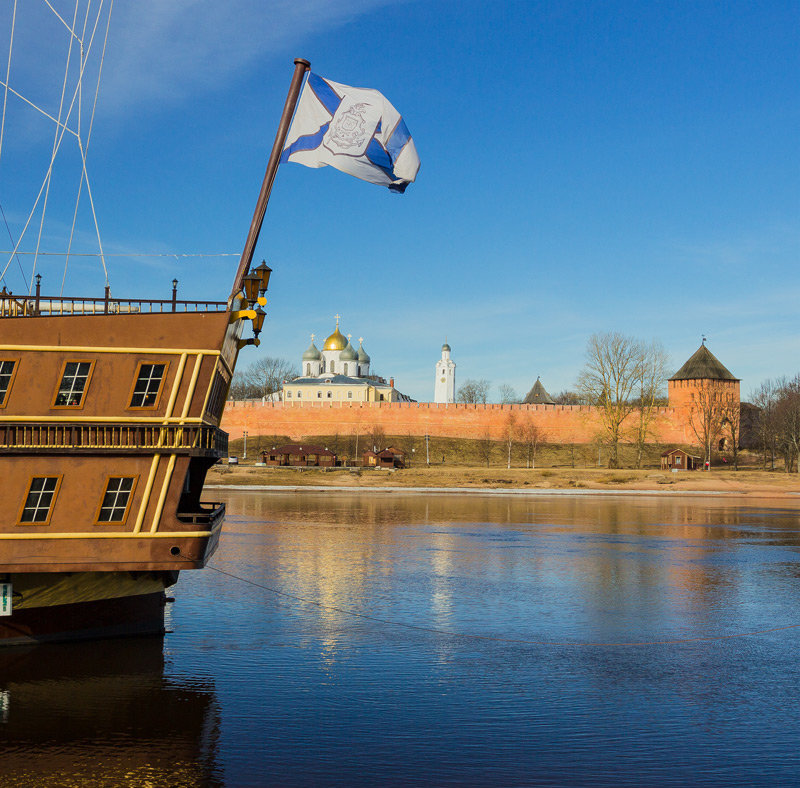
<point x="300" y="68"/>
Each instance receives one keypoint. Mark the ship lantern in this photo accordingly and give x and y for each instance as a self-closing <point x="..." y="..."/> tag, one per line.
<point x="263" y="272"/>
<point x="252" y="284"/>
<point x="258" y="320"/>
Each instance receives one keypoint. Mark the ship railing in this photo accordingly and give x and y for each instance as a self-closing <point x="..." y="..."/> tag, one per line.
<point x="209" y="514"/>
<point x="110" y="437"/>
<point x="32" y="306"/>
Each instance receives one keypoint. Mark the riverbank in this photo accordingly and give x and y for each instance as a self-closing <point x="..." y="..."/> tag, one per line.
<point x="753" y="483"/>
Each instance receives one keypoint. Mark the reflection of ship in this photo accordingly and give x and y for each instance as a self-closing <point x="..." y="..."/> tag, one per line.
<point x="104" y="713"/>
<point x="109" y="414"/>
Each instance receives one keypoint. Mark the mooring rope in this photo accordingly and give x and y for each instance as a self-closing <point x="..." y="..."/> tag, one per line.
<point x="495" y="638"/>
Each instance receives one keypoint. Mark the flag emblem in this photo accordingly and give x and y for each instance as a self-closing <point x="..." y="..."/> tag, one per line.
<point x="355" y="130"/>
<point x="348" y="132"/>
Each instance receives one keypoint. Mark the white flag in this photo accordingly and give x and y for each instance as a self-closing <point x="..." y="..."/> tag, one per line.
<point x="355" y="130"/>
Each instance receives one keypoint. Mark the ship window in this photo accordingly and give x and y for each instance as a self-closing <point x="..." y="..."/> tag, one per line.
<point x="114" y="506"/>
<point x="74" y="380"/>
<point x="148" y="385"/>
<point x="7" y="369"/>
<point x="38" y="505"/>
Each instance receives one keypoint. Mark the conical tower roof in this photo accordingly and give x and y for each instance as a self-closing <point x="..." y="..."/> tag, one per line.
<point x="703" y="365"/>
<point x="538" y="396"/>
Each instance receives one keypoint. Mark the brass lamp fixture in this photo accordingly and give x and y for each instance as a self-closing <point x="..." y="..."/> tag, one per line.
<point x="252" y="284"/>
<point x="258" y="320"/>
<point x="263" y="271"/>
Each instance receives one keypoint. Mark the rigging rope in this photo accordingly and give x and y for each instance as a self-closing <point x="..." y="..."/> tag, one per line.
<point x="84" y="152"/>
<point x="494" y="638"/>
<point x="55" y="142"/>
<point x="124" y="254"/>
<point x="8" y="74"/>
<point x="62" y="128"/>
<point x="11" y="237"/>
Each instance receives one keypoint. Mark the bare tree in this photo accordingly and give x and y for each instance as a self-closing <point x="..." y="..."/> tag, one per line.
<point x="473" y="391"/>
<point x="377" y="438"/>
<point x="508" y="396"/>
<point x="609" y="380"/>
<point x="570" y="398"/>
<point x="707" y="410"/>
<point x="262" y="378"/>
<point x="787" y="419"/>
<point x="510" y="433"/>
<point x="485" y="446"/>
<point x="531" y="436"/>
<point x="765" y="398"/>
<point x="732" y="425"/>
<point x="651" y="375"/>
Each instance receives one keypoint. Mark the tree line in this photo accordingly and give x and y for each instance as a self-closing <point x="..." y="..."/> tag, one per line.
<point x="777" y="421"/>
<point x="262" y="378"/>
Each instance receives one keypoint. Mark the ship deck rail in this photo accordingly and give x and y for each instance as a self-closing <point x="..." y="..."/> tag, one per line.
<point x="112" y="438"/>
<point x="65" y="306"/>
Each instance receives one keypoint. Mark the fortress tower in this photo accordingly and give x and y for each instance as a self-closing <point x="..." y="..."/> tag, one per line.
<point x="444" y="388"/>
<point x="702" y="371"/>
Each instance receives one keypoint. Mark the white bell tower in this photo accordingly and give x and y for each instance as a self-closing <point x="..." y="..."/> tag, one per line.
<point x="444" y="388"/>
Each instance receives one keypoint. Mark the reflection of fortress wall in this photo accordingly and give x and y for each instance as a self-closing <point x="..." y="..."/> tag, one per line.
<point x="561" y="423"/>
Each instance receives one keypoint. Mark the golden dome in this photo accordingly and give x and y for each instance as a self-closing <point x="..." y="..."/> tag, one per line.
<point x="336" y="341"/>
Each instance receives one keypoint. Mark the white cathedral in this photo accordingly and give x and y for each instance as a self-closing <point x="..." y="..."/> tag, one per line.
<point x="444" y="388"/>
<point x="339" y="372"/>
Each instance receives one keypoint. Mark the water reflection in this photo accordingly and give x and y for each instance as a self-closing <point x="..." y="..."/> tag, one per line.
<point x="569" y="568"/>
<point x="360" y="640"/>
<point x="104" y="713"/>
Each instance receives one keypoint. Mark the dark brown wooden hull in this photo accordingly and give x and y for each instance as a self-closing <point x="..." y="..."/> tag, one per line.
<point x="129" y="614"/>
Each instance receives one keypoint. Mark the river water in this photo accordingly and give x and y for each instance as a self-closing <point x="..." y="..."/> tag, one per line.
<point x="402" y="640"/>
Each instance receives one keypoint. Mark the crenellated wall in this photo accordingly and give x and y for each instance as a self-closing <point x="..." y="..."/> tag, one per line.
<point x="560" y="423"/>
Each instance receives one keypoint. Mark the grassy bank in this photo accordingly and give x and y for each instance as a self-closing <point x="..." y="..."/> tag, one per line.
<point x="478" y="453"/>
<point x="743" y="482"/>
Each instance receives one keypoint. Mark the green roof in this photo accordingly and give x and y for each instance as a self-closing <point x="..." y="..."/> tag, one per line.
<point x="703" y="365"/>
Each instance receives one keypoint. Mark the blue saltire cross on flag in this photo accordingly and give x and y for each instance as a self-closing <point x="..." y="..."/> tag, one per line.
<point x="355" y="130"/>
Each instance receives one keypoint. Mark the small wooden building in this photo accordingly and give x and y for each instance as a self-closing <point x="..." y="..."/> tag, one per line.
<point x="679" y="460"/>
<point x="388" y="458"/>
<point x="300" y="456"/>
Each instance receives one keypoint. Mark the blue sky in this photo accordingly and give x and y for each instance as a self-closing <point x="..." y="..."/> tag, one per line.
<point x="586" y="167"/>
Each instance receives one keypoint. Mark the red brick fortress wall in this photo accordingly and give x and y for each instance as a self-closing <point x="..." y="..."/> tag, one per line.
<point x="560" y="423"/>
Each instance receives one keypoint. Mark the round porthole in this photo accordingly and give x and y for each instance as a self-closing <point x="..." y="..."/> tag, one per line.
<point x="175" y="550"/>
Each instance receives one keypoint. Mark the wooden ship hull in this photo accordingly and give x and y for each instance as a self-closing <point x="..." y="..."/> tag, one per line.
<point x="109" y="421"/>
<point x="108" y="425"/>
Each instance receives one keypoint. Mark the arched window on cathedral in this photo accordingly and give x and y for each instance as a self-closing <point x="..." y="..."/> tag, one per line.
<point x="345" y="369"/>
<point x="333" y="369"/>
<point x="308" y="369"/>
<point x="323" y="365"/>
